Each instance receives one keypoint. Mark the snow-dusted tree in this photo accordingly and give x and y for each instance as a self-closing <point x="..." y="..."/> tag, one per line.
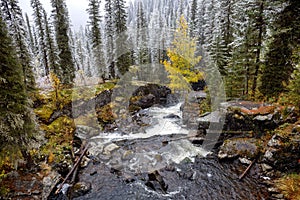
<point x="95" y="36"/>
<point x="123" y="53"/>
<point x="61" y="25"/>
<point x="250" y="29"/>
<point x="109" y="35"/>
<point x="16" y="121"/>
<point x="50" y="44"/>
<point x="142" y="51"/>
<point x="285" y="39"/>
<point x="31" y="40"/>
<point x="193" y="18"/>
<point x="12" y="15"/>
<point x="201" y="22"/>
<point x="40" y="27"/>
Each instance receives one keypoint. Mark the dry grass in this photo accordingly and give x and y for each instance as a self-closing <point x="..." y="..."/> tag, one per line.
<point x="289" y="185"/>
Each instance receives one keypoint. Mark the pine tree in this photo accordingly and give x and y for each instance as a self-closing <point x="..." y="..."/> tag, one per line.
<point x="16" y="124"/>
<point x="247" y="47"/>
<point x="182" y="58"/>
<point x="122" y="51"/>
<point x="12" y="15"/>
<point x="31" y="44"/>
<point x="96" y="39"/>
<point x="286" y="37"/>
<point x="50" y="45"/>
<point x="109" y="33"/>
<point x="61" y="25"/>
<point x="40" y="25"/>
<point x="193" y="18"/>
<point x="142" y="36"/>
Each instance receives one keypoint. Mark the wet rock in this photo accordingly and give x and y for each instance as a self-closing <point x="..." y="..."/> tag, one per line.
<point x="80" y="189"/>
<point x="197" y="136"/>
<point x="145" y="101"/>
<point x="150" y="95"/>
<point x="198" y="86"/>
<point x="85" y="132"/>
<point x="156" y="182"/>
<point x="109" y="148"/>
<point x="172" y="100"/>
<point x="240" y="147"/>
<point x="172" y="116"/>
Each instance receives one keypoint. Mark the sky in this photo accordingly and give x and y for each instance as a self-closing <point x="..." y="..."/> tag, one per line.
<point x="76" y="9"/>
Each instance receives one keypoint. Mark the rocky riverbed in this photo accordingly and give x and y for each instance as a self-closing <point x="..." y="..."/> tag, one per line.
<point x="160" y="151"/>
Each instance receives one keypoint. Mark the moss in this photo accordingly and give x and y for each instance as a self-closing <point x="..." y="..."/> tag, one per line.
<point x="44" y="112"/>
<point x="105" y="86"/>
<point x="60" y="136"/>
<point x="89" y="119"/>
<point x="289" y="185"/>
<point x="105" y="114"/>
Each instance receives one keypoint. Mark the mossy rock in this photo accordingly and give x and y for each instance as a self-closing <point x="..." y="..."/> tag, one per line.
<point x="44" y="112"/>
<point x="62" y="124"/>
<point x="240" y="147"/>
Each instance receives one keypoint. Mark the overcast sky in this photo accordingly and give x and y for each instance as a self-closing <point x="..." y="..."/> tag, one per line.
<point x="76" y="9"/>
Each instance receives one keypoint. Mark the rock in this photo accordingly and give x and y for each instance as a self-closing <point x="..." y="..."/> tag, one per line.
<point x="245" y="161"/>
<point x="266" y="167"/>
<point x="109" y="148"/>
<point x="197" y="136"/>
<point x="283" y="150"/>
<point x="156" y="182"/>
<point x="82" y="106"/>
<point x="159" y="94"/>
<point x="172" y="100"/>
<point x="264" y="118"/>
<point x="240" y="147"/>
<point x="198" y="86"/>
<point x="86" y="132"/>
<point x="49" y="183"/>
<point x="172" y="116"/>
<point x="80" y="189"/>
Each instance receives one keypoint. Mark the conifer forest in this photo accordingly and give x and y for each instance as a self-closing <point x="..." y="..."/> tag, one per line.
<point x="150" y="99"/>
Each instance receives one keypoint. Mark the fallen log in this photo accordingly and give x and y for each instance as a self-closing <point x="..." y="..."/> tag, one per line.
<point x="74" y="168"/>
<point x="247" y="169"/>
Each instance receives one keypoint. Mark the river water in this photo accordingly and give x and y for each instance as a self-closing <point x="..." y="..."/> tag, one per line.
<point x="161" y="163"/>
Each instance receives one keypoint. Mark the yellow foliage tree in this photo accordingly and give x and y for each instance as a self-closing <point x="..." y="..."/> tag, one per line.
<point x="182" y="58"/>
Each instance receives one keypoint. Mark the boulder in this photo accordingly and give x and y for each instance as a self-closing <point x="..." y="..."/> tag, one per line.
<point x="148" y="95"/>
<point x="240" y="147"/>
<point x="80" y="189"/>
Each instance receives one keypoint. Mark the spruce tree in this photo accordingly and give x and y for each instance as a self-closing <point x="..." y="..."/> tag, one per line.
<point x="95" y="36"/>
<point x="40" y="26"/>
<point x="12" y="15"/>
<point x="61" y="25"/>
<point x="193" y="18"/>
<point x="286" y="37"/>
<point x="110" y="37"/>
<point x="16" y="124"/>
<point x="31" y="44"/>
<point x="50" y="45"/>
<point x="143" y="55"/>
<point x="122" y="52"/>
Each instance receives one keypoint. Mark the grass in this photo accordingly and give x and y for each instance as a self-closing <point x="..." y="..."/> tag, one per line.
<point x="289" y="186"/>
